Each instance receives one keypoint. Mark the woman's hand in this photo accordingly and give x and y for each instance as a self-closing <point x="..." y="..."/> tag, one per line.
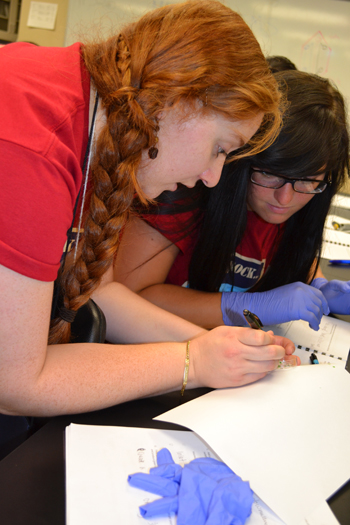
<point x="229" y="357"/>
<point x="290" y="302"/>
<point x="337" y="294"/>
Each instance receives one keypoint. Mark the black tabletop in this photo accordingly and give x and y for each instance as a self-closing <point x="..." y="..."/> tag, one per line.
<point x="32" y="477"/>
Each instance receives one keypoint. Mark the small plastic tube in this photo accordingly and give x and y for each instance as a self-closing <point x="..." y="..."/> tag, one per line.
<point x="288" y="362"/>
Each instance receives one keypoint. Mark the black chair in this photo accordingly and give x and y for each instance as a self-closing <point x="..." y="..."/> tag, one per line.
<point x="89" y="325"/>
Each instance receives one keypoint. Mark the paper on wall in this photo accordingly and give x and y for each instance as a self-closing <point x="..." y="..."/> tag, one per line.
<point x="42" y="15"/>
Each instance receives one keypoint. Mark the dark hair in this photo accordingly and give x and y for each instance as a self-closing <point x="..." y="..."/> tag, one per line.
<point x="279" y="63"/>
<point x="314" y="138"/>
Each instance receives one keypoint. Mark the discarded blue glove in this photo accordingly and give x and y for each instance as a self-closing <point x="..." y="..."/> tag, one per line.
<point x="208" y="492"/>
<point x="337" y="294"/>
<point x="163" y="480"/>
<point x="286" y="303"/>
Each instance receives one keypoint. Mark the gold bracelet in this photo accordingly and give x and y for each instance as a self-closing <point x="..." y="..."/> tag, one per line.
<point x="187" y="366"/>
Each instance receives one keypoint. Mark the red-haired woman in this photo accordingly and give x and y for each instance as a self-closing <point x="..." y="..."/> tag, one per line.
<point x="174" y="93"/>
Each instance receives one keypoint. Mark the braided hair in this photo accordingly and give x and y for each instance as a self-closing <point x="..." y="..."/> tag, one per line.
<point x="180" y="53"/>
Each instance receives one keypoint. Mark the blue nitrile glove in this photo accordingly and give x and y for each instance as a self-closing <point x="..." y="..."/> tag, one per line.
<point x="208" y="492"/>
<point x="163" y="480"/>
<point x="336" y="292"/>
<point x="287" y="303"/>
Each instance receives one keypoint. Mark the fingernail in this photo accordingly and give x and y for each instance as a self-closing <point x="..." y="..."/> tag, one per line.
<point x="289" y="361"/>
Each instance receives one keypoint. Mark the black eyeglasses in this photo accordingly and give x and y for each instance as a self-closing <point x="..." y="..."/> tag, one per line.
<point x="269" y="180"/>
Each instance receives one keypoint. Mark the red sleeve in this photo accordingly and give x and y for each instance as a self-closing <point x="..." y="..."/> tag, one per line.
<point x="36" y="211"/>
<point x="44" y="106"/>
<point x="180" y="228"/>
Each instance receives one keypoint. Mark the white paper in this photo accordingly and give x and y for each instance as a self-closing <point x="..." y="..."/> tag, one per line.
<point x="336" y="243"/>
<point x="341" y="201"/>
<point x="288" y="434"/>
<point x="42" y="15"/>
<point x="100" y="458"/>
<point x="331" y="343"/>
<point x="321" y="516"/>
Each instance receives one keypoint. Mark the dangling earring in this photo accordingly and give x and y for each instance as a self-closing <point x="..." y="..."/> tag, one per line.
<point x="153" y="151"/>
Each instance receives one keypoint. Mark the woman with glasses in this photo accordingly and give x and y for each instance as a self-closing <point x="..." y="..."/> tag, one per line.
<point x="267" y="179"/>
<point x="260" y="229"/>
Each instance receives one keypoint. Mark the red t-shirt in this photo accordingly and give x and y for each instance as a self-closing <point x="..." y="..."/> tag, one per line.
<point x="182" y="230"/>
<point x="44" y="107"/>
<point x="252" y="257"/>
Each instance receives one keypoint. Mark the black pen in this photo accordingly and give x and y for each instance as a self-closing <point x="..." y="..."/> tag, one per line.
<point x="313" y="359"/>
<point x="255" y="323"/>
<point x="253" y="320"/>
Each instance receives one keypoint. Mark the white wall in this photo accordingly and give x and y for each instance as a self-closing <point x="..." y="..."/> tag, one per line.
<point x="314" y="34"/>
